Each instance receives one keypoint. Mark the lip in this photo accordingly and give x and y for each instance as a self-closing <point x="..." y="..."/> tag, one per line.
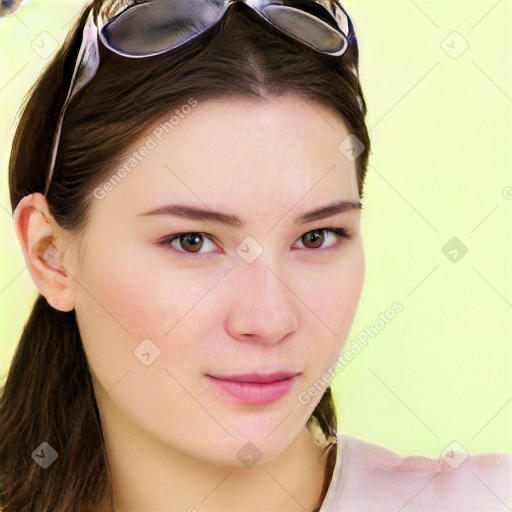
<point x="254" y="393"/>
<point x="259" y="378"/>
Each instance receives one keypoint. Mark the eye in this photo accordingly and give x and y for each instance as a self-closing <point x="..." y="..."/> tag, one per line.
<point x="317" y="237"/>
<point x="190" y="244"/>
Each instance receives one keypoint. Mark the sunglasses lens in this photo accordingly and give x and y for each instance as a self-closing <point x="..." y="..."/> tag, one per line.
<point x="156" y="27"/>
<point x="305" y="27"/>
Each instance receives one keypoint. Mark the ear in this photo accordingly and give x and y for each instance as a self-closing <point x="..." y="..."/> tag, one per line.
<point x="43" y="244"/>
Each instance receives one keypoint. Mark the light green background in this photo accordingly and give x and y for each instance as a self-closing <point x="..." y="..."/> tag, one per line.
<point x="441" y="128"/>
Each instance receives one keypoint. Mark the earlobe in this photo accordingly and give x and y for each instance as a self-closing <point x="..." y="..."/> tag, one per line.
<point x="40" y="246"/>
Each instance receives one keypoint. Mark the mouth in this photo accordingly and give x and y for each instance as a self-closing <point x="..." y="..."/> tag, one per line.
<point x="258" y="378"/>
<point x="248" y="392"/>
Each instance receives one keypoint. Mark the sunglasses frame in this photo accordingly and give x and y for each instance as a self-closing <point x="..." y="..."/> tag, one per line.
<point x="88" y="60"/>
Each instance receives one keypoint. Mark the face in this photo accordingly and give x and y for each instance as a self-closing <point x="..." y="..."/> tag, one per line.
<point x="159" y="313"/>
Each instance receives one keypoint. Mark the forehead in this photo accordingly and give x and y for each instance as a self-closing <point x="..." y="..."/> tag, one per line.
<point x="263" y="155"/>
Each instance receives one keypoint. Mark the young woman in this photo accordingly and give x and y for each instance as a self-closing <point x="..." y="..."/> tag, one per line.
<point x="186" y="180"/>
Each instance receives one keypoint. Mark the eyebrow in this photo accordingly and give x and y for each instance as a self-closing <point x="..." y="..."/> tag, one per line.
<point x="196" y="213"/>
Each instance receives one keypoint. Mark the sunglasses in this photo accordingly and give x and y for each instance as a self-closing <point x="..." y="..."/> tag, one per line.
<point x="144" y="29"/>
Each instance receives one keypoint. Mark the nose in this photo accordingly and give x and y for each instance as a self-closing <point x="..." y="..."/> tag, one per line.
<point x="262" y="304"/>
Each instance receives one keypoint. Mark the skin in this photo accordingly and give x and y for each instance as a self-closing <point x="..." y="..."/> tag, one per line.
<point x="172" y="436"/>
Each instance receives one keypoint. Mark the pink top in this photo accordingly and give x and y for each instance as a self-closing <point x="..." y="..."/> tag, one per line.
<point x="373" y="478"/>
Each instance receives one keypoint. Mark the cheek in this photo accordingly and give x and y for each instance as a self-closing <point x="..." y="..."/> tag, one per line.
<point x="335" y="297"/>
<point x="127" y="302"/>
<point x="333" y="302"/>
<point x="138" y="297"/>
<point x="141" y="293"/>
<point x="331" y="294"/>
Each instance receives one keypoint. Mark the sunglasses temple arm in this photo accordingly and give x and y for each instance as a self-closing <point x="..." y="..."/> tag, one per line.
<point x="87" y="63"/>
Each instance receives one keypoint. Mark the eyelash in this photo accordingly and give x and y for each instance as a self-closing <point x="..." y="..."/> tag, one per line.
<point x="342" y="233"/>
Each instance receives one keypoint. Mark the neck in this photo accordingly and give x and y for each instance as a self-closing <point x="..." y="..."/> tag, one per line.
<point x="149" y="474"/>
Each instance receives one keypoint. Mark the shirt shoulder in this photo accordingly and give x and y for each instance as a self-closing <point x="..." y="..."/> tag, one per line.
<point x="375" y="478"/>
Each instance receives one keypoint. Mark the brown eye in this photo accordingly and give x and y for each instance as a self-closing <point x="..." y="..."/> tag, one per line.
<point x="316" y="238"/>
<point x="191" y="242"/>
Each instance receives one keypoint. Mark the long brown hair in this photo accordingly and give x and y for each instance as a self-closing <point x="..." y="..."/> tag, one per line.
<point x="48" y="394"/>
